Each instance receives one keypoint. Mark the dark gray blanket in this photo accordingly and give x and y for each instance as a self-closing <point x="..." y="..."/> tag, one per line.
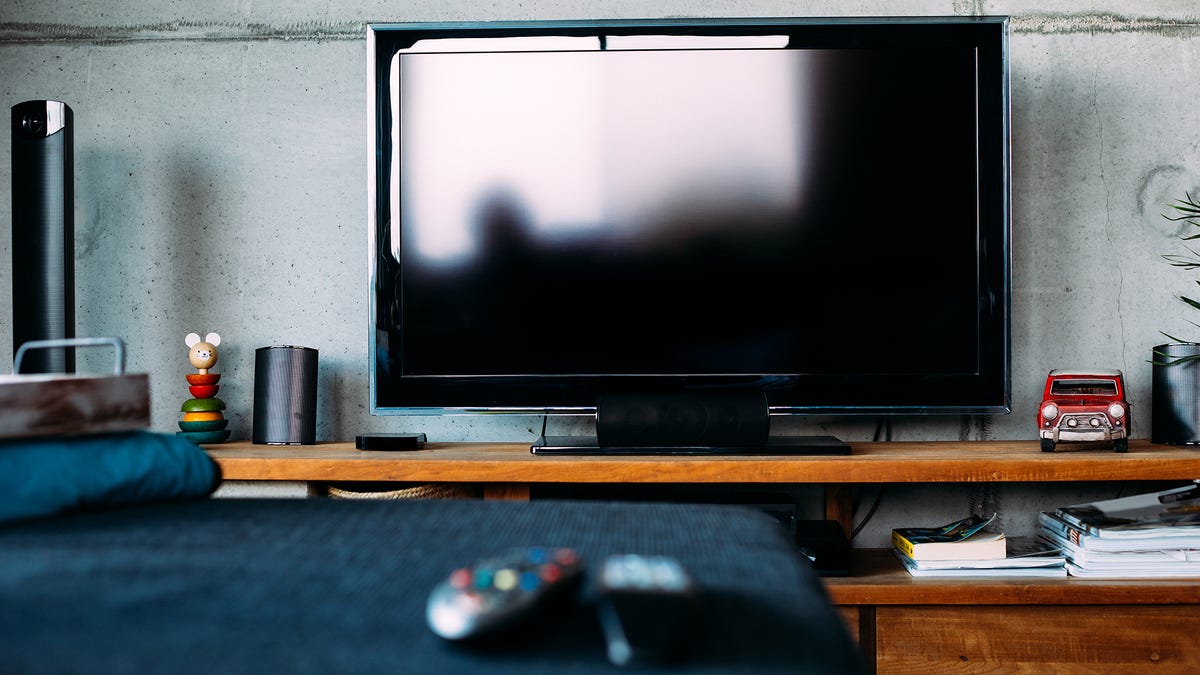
<point x="331" y="586"/>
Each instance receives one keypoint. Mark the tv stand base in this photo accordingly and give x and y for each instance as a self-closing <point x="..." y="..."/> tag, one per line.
<point x="779" y="445"/>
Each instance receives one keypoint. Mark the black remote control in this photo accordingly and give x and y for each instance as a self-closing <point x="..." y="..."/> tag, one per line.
<point x="498" y="592"/>
<point x="647" y="605"/>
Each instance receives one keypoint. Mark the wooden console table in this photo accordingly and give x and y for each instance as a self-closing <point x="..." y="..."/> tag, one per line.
<point x="904" y="625"/>
<point x="507" y="470"/>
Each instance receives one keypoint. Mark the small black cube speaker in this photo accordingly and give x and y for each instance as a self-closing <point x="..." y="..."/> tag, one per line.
<point x="285" y="395"/>
<point x="43" y="232"/>
<point x="826" y="545"/>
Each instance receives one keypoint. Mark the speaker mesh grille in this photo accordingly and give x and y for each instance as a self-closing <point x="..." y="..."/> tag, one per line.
<point x="285" y="395"/>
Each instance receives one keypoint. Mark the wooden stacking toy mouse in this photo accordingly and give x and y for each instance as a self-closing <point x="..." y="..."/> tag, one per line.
<point x="203" y="421"/>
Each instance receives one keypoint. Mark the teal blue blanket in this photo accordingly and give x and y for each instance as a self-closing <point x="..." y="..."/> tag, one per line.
<point x="44" y="477"/>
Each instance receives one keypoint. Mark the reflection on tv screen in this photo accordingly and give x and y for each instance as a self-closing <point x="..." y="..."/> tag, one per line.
<point x="688" y="211"/>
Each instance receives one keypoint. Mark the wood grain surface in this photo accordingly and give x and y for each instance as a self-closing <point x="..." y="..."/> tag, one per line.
<point x="895" y="462"/>
<point x="1026" y="639"/>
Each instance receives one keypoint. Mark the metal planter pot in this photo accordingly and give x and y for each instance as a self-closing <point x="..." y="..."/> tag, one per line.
<point x="1175" y="417"/>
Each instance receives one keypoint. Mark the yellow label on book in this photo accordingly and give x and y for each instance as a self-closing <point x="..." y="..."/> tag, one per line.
<point x="901" y="544"/>
<point x="978" y="546"/>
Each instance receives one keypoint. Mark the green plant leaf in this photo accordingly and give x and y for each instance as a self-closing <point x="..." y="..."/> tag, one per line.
<point x="1187" y="206"/>
<point x="1182" y="261"/>
<point x="1164" y="359"/>
<point x="1168" y="360"/>
<point x="1186" y="210"/>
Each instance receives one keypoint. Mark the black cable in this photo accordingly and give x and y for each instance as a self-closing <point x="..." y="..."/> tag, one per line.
<point x="883" y="428"/>
<point x="875" y="438"/>
<point x="871" y="512"/>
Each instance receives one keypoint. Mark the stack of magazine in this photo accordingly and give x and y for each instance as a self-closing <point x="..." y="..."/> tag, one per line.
<point x="965" y="548"/>
<point x="1146" y="536"/>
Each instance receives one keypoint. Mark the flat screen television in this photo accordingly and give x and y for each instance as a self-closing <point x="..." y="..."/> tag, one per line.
<point x="813" y="209"/>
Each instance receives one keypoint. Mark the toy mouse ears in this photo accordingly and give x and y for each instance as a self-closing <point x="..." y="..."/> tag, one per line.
<point x="193" y="339"/>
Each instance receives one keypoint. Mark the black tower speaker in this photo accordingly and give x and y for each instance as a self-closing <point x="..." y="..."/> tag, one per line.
<point x="43" y="232"/>
<point x="285" y="395"/>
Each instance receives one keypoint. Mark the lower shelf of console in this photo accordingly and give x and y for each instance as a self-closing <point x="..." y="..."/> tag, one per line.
<point x="907" y="625"/>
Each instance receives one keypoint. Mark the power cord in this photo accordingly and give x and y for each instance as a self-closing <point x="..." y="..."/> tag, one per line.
<point x="884" y="429"/>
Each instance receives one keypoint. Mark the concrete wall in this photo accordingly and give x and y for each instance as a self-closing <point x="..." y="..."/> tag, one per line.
<point x="221" y="170"/>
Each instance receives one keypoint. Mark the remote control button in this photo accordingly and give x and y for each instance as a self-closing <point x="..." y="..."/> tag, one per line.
<point x="530" y="581"/>
<point x="469" y="601"/>
<point x="550" y="573"/>
<point x="505" y="580"/>
<point x="460" y="578"/>
<point x="483" y="578"/>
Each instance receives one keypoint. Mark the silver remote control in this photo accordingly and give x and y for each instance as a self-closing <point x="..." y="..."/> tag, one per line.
<point x="500" y="591"/>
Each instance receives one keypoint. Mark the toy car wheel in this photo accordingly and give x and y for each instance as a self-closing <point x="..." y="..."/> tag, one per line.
<point x="1047" y="445"/>
<point x="1120" y="445"/>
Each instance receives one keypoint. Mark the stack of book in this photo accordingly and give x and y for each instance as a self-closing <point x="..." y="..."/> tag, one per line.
<point x="1146" y="536"/>
<point x="965" y="549"/>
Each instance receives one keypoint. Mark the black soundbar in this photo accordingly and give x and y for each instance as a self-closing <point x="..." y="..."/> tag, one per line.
<point x="778" y="445"/>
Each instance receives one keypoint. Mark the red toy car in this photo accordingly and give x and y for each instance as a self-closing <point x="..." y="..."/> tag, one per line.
<point x="1084" y="405"/>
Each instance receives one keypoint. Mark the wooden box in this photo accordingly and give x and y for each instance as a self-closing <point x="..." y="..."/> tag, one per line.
<point x="58" y="405"/>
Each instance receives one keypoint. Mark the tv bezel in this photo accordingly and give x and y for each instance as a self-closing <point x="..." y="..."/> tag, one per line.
<point x="988" y="392"/>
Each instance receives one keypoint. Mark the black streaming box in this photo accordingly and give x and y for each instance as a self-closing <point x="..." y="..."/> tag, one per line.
<point x="389" y="441"/>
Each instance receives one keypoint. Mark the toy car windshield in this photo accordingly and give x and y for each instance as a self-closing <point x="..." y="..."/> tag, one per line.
<point x="1083" y="388"/>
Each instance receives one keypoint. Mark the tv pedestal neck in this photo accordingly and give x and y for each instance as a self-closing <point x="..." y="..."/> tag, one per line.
<point x="716" y="421"/>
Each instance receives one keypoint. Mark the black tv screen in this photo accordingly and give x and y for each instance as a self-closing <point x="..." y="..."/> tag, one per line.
<point x="817" y="209"/>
